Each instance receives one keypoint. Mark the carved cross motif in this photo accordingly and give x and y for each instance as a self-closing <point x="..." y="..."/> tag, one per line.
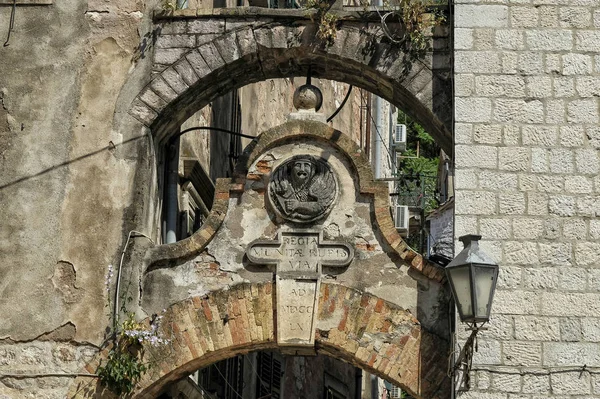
<point x="300" y="256"/>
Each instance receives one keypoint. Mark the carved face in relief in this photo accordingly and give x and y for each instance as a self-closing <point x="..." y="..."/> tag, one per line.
<point x="303" y="189"/>
<point x="301" y="172"/>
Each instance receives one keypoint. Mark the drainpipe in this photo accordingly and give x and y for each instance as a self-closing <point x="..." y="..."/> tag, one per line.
<point x="171" y="198"/>
<point x="378" y="118"/>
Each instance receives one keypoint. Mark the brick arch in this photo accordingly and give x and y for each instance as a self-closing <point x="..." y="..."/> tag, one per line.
<point x="353" y="326"/>
<point x="264" y="48"/>
<point x="169" y="254"/>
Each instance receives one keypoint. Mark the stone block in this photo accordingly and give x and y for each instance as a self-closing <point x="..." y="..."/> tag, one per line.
<point x="594" y="280"/>
<point x="495" y="228"/>
<point x="510" y="39"/>
<point x="527" y="228"/>
<point x="481" y="16"/>
<point x="463" y="38"/>
<point x="587" y="253"/>
<point x="211" y="56"/>
<point x="527" y="182"/>
<point x="593" y="135"/>
<point x="499" y="181"/>
<point x="570" y="329"/>
<point x="521" y="252"/>
<point x="537" y="204"/>
<point x="548" y="15"/>
<point x="570" y="304"/>
<point x="552" y="40"/>
<point x="142" y="112"/>
<point x="511" y="135"/>
<point x="561" y="205"/>
<point x="539" y="86"/>
<point x="571" y="136"/>
<point x="186" y="72"/>
<point x="588" y="206"/>
<point x="196" y="61"/>
<point x="587" y="40"/>
<point x="516" y="302"/>
<point x="174" y="80"/>
<point x="515" y="159"/>
<point x="465" y="225"/>
<point x="539" y="384"/>
<point x="506" y="383"/>
<point x="576" y="64"/>
<point x="573" y="279"/>
<point x="473" y="109"/>
<point x="152" y="99"/>
<point x="575" y="17"/>
<point x="555" y="112"/>
<point x="540" y="278"/>
<point x="523" y="17"/>
<point x="476" y="156"/>
<point x="561" y="160"/>
<point x="511" y="203"/>
<point x="509" y="61"/>
<point x="535" y="328"/>
<point x="540" y="136"/>
<point x="500" y="85"/>
<point x="522" y="353"/>
<point x="489" y="352"/>
<point x="520" y="111"/>
<point x="161" y="88"/>
<point x="168" y="56"/>
<point x="579" y="185"/>
<point x="574" y="229"/>
<point x="464" y="85"/>
<point x="487" y="134"/>
<point x="564" y="86"/>
<point x="175" y="41"/>
<point x="463" y="133"/>
<point x="465" y="179"/>
<point x="552" y="62"/>
<point x="475" y="203"/>
<point x="587" y="161"/>
<point x="558" y="354"/>
<point x="477" y="62"/>
<point x="551" y="183"/>
<point x="530" y="63"/>
<point x="206" y="26"/>
<point x="588" y="86"/>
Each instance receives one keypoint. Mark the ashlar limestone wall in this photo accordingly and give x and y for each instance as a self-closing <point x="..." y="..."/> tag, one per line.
<point x="527" y="81"/>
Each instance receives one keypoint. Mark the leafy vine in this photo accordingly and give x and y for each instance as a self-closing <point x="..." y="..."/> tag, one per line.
<point x="125" y="364"/>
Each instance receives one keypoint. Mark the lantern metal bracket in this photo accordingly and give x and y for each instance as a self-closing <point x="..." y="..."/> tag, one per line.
<point x="464" y="361"/>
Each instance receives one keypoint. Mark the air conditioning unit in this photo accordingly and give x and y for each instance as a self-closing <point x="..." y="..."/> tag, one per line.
<point x="395" y="392"/>
<point x="402" y="217"/>
<point x="400" y="137"/>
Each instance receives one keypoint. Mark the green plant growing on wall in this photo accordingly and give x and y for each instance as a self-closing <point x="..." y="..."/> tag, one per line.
<point x="327" y="30"/>
<point x="125" y="364"/>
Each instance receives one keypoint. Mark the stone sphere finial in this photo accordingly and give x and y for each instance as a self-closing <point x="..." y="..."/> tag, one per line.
<point x="308" y="97"/>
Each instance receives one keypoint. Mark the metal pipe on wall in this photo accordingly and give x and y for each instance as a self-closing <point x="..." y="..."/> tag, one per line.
<point x="171" y="196"/>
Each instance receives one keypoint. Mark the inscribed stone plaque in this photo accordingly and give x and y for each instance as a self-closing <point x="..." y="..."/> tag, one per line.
<point x="296" y="311"/>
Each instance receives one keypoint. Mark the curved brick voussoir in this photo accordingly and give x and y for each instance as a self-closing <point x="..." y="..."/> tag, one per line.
<point x="353" y="326"/>
<point x="202" y="57"/>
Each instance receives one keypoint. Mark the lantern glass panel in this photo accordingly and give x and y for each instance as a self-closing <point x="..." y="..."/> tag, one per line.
<point x="484" y="284"/>
<point x="460" y="278"/>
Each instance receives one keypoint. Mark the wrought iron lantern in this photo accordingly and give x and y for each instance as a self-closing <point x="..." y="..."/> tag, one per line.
<point x="472" y="276"/>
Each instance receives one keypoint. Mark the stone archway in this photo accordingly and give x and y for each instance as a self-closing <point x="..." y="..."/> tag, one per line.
<point x="356" y="327"/>
<point x="211" y="55"/>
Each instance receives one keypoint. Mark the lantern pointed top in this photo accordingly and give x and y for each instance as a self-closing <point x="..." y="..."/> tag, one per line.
<point x="471" y="253"/>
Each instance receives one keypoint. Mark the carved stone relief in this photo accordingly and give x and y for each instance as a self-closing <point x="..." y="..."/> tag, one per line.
<point x="303" y="189"/>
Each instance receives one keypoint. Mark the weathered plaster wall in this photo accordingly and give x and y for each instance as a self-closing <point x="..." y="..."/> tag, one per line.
<point x="66" y="181"/>
<point x="527" y="163"/>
